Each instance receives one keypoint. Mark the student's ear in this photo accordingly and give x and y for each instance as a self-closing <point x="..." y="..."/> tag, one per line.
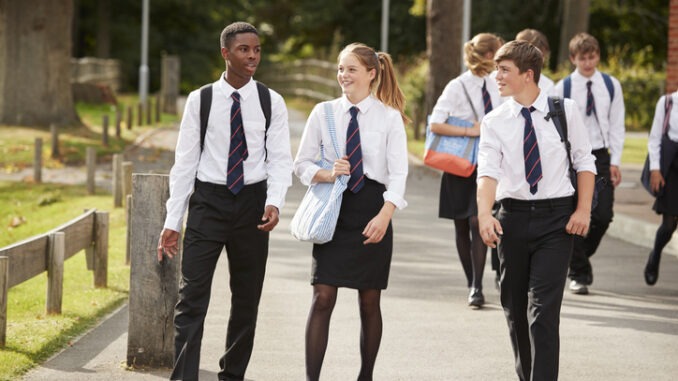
<point x="529" y="75"/>
<point x="224" y="53"/>
<point x="373" y="74"/>
<point x="572" y="59"/>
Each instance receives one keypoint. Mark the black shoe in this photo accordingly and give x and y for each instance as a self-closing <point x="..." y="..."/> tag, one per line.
<point x="476" y="299"/>
<point x="652" y="269"/>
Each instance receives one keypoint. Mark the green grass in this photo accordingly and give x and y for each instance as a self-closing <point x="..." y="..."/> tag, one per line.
<point x="32" y="336"/>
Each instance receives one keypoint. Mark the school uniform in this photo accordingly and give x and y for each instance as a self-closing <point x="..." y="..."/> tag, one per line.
<point x="605" y="128"/>
<point x="220" y="217"/>
<point x="667" y="201"/>
<point x="458" y="194"/>
<point x="534" y="250"/>
<point x="345" y="261"/>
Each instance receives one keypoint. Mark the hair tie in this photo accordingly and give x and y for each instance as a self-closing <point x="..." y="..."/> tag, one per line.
<point x="376" y="54"/>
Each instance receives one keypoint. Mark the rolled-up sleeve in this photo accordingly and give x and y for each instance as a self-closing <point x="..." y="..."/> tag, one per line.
<point x="489" y="151"/>
<point x="582" y="159"/>
<point x="397" y="162"/>
<point x="308" y="154"/>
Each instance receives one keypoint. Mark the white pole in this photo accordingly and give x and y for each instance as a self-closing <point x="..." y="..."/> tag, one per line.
<point x="143" y="69"/>
<point x="466" y="29"/>
<point x="384" y="25"/>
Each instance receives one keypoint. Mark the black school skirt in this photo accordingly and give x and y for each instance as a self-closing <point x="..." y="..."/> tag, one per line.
<point x="458" y="196"/>
<point x="667" y="202"/>
<point x="345" y="261"/>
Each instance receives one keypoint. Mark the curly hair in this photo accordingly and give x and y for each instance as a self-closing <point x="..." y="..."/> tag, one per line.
<point x="476" y="51"/>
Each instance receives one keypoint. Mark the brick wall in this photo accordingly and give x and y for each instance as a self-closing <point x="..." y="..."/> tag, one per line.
<point x="672" y="59"/>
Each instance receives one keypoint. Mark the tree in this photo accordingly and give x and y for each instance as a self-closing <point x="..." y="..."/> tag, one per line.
<point x="444" y="20"/>
<point x="35" y="59"/>
<point x="575" y="20"/>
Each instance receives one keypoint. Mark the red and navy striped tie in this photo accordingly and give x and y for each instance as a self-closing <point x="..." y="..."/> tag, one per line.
<point x="487" y="101"/>
<point x="238" y="149"/>
<point x="531" y="152"/>
<point x="354" y="153"/>
<point x="590" y="103"/>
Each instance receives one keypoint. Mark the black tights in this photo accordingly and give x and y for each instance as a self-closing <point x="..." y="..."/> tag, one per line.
<point x="664" y="233"/>
<point x="318" y="326"/>
<point x="472" y="250"/>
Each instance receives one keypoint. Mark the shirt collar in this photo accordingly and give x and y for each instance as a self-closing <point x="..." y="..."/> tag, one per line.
<point x="540" y="104"/>
<point x="363" y="106"/>
<point x="576" y="74"/>
<point x="227" y="89"/>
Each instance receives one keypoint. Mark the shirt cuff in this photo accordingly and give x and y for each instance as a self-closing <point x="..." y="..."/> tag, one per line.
<point x="173" y="223"/>
<point x="308" y="175"/>
<point x="396" y="199"/>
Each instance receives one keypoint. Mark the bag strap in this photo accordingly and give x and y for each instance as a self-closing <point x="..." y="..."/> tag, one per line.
<point x="470" y="102"/>
<point x="329" y="117"/>
<point x="206" y="104"/>
<point x="668" y="105"/>
<point x="557" y="112"/>
<point x="567" y="86"/>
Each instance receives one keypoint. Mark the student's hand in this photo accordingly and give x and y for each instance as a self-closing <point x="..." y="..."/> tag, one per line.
<point x="168" y="243"/>
<point x="341" y="167"/>
<point x="376" y="228"/>
<point x="270" y="218"/>
<point x="656" y="181"/>
<point x="490" y="230"/>
<point x="615" y="175"/>
<point x="579" y="222"/>
<point x="473" y="131"/>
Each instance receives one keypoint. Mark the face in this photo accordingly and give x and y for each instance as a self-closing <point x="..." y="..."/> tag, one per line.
<point x="509" y="79"/>
<point x="586" y="63"/>
<point x="242" y="57"/>
<point x="354" y="78"/>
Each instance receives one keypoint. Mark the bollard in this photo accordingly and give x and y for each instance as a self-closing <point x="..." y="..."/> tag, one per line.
<point x="129" y="117"/>
<point x="104" y="131"/>
<point x="157" y="109"/>
<point x="91" y="161"/>
<point x="55" y="140"/>
<point x="153" y="284"/>
<point x="118" y="118"/>
<point x="55" y="272"/>
<point x="100" y="261"/>
<point x="117" y="180"/>
<point x="147" y="110"/>
<point x="37" y="161"/>
<point x="4" y="289"/>
<point x="140" y="117"/>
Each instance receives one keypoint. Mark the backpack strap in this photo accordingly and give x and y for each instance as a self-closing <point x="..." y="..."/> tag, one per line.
<point x="567" y="87"/>
<point x="609" y="85"/>
<point x="205" y="105"/>
<point x="557" y="112"/>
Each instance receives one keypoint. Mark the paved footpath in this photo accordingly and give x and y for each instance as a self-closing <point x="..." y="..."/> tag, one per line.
<point x="623" y="330"/>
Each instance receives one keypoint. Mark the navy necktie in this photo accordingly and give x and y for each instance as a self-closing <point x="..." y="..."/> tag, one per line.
<point x="590" y="104"/>
<point x="487" y="101"/>
<point x="238" y="149"/>
<point x="531" y="152"/>
<point x="354" y="153"/>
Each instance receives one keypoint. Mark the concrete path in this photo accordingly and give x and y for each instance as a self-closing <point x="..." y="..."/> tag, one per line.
<point x="623" y="330"/>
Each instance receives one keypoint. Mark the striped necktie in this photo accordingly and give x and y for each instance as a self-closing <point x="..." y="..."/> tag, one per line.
<point x="487" y="101"/>
<point x="531" y="152"/>
<point x="238" y="149"/>
<point x="590" y="103"/>
<point x="354" y="153"/>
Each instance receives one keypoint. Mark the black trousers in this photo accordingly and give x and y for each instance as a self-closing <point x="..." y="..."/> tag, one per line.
<point x="601" y="216"/>
<point x="534" y="253"/>
<point x="218" y="219"/>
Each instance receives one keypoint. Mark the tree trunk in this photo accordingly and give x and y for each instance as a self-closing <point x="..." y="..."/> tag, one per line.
<point x="444" y="22"/>
<point x="104" y="29"/>
<point x="35" y="63"/>
<point x="575" y="20"/>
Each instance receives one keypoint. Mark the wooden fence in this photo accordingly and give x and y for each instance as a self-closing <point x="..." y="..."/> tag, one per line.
<point x="47" y="252"/>
<point x="310" y="78"/>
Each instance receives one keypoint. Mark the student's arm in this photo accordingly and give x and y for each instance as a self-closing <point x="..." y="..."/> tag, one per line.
<point x="654" y="146"/>
<point x="452" y="130"/>
<point x="584" y="163"/>
<point x="617" y="132"/>
<point x="581" y="218"/>
<point x="490" y="228"/>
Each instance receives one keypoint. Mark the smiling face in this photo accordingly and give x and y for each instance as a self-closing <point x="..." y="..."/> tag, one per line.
<point x="242" y="57"/>
<point x="510" y="80"/>
<point x="354" y="78"/>
<point x="586" y="63"/>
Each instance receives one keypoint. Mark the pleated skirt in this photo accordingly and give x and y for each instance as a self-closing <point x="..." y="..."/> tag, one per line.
<point x="458" y="196"/>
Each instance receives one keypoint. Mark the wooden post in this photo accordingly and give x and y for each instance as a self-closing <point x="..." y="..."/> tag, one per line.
<point x="158" y="110"/>
<point x="118" y="118"/>
<point x="153" y="284"/>
<point x="169" y="82"/>
<point x="126" y="180"/>
<point x="129" y="117"/>
<point x="55" y="272"/>
<point x="4" y="289"/>
<point x="140" y="117"/>
<point x="55" y="140"/>
<point x="104" y="132"/>
<point x="37" y="161"/>
<point x="147" y="109"/>
<point x="117" y="180"/>
<point x="101" y="249"/>
<point x="128" y="216"/>
<point x="91" y="161"/>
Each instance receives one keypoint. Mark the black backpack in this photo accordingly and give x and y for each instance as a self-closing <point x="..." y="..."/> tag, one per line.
<point x="206" y="104"/>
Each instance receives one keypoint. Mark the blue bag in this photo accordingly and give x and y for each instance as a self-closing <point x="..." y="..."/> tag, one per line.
<point x="316" y="218"/>
<point x="457" y="155"/>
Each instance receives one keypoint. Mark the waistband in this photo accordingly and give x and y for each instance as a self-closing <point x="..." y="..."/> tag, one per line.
<point x="601" y="152"/>
<point x="223" y="188"/>
<point x="549" y="203"/>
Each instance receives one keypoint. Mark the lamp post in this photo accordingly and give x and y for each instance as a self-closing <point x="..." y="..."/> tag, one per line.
<point x="143" y="68"/>
<point x="384" y="25"/>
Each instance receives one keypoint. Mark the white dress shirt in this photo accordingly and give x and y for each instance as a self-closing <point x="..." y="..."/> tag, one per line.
<point x="655" y="139"/>
<point x="453" y="101"/>
<point x="501" y="150"/>
<point x="382" y="137"/>
<point x="606" y="126"/>
<point x="211" y="165"/>
<point x="546" y="85"/>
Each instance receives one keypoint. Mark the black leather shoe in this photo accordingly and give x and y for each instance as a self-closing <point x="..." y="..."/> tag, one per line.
<point x="652" y="269"/>
<point x="476" y="299"/>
